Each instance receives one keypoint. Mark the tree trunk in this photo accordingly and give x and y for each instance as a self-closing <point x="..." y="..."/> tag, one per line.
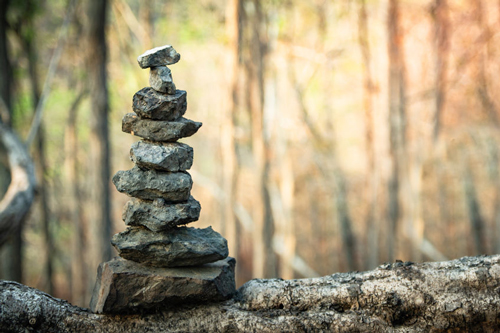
<point x="41" y="163"/>
<point x="440" y="15"/>
<point x="398" y="181"/>
<point x="372" y="180"/>
<point x="99" y="137"/>
<point x="264" y="258"/>
<point x="79" y="274"/>
<point x="459" y="295"/>
<point x="5" y="69"/>
<point x="228" y="142"/>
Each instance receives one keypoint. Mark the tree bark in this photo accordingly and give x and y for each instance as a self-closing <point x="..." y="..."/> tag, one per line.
<point x="5" y="69"/>
<point x="398" y="183"/>
<point x="264" y="258"/>
<point x="459" y="295"/>
<point x="99" y="138"/>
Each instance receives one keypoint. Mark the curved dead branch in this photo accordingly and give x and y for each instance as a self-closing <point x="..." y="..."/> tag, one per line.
<point x="19" y="196"/>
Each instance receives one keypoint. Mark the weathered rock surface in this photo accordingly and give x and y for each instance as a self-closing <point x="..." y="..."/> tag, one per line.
<point x="124" y="286"/>
<point x="160" y="131"/>
<point x="152" y="184"/>
<point x="160" y="79"/>
<point x="151" y="104"/>
<point x="168" y="156"/>
<point x="181" y="246"/>
<point x="159" y="56"/>
<point x="157" y="216"/>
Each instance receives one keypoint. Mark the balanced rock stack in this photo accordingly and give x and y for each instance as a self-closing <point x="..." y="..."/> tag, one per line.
<point x="161" y="263"/>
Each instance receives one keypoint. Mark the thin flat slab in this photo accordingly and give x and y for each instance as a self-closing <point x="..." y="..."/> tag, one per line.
<point x="181" y="246"/>
<point x="159" y="131"/>
<point x="163" y="156"/>
<point x="160" y="79"/>
<point x="124" y="286"/>
<point x="152" y="184"/>
<point x="159" y="56"/>
<point x="151" y="104"/>
<point x="158" y="216"/>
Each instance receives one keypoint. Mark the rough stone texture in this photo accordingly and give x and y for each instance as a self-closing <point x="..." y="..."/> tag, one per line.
<point x="455" y="296"/>
<point x="152" y="184"/>
<point x="169" y="156"/>
<point x="160" y="79"/>
<point x="160" y="131"/>
<point x="150" y="104"/>
<point x="181" y="246"/>
<point x="124" y="286"/>
<point x="157" y="216"/>
<point x="159" y="56"/>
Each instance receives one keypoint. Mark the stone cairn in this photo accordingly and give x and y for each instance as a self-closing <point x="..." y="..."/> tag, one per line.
<point x="161" y="263"/>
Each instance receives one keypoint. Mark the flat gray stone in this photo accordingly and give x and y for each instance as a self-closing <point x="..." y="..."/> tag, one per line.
<point x="152" y="184"/>
<point x="159" y="131"/>
<point x="159" y="56"/>
<point x="166" y="156"/>
<point x="160" y="79"/>
<point x="181" y="246"/>
<point x="151" y="104"/>
<point x="124" y="286"/>
<point x="157" y="215"/>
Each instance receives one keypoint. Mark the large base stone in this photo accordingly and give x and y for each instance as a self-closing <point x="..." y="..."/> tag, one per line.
<point x="159" y="130"/>
<point x="180" y="246"/>
<point x="158" y="215"/>
<point x="152" y="184"/>
<point x="124" y="286"/>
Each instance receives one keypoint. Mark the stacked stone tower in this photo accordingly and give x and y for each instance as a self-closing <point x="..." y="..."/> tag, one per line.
<point x="162" y="262"/>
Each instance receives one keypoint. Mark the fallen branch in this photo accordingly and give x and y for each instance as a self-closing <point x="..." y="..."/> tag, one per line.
<point x="458" y="295"/>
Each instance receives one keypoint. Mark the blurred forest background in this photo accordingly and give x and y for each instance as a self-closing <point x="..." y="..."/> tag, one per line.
<point x="337" y="135"/>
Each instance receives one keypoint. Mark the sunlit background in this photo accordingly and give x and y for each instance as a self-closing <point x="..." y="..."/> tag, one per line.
<point x="337" y="135"/>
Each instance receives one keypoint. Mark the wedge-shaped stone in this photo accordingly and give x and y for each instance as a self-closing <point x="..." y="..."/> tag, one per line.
<point x="157" y="215"/>
<point x="168" y="156"/>
<point x="124" y="286"/>
<point x="181" y="246"/>
<point x="160" y="131"/>
<point x="159" y="56"/>
<point x="151" y="104"/>
<point x="152" y="184"/>
<point x="160" y="79"/>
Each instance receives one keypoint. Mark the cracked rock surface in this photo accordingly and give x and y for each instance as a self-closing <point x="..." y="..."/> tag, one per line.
<point x="159" y="56"/>
<point x="160" y="131"/>
<point x="152" y="184"/>
<point x="171" y="156"/>
<point x="151" y="104"/>
<point x="181" y="246"/>
<point x="158" y="216"/>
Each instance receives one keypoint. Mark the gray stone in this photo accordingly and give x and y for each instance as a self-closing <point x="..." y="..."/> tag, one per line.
<point x="159" y="56"/>
<point x="167" y="156"/>
<point x="181" y="246"/>
<point x="157" y="215"/>
<point x="160" y="131"/>
<point x="150" y="104"/>
<point x="160" y="79"/>
<point x="152" y="184"/>
<point x="124" y="286"/>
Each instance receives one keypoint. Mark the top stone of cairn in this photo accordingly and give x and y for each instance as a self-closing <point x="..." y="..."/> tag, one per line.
<point x="159" y="56"/>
